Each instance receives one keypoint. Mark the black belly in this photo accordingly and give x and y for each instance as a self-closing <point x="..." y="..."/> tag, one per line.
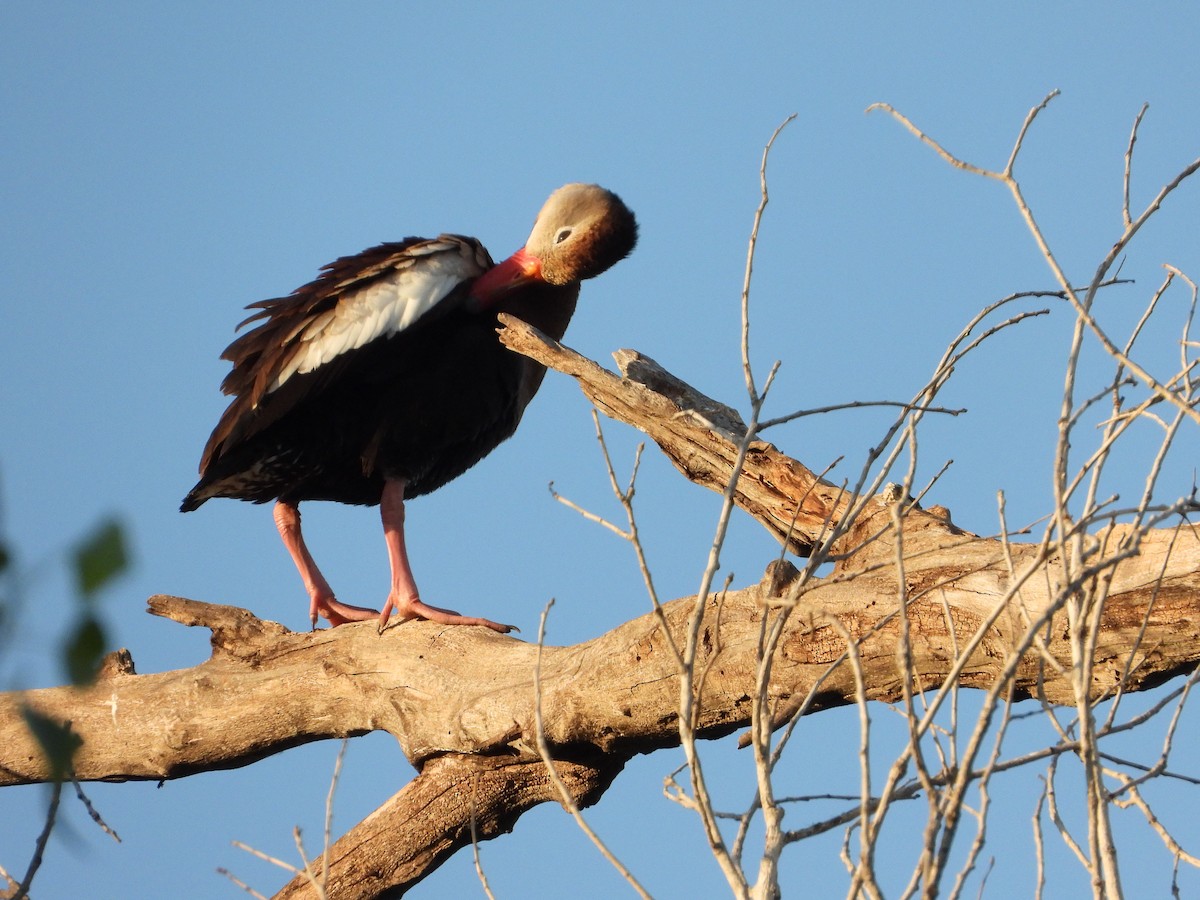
<point x="424" y="406"/>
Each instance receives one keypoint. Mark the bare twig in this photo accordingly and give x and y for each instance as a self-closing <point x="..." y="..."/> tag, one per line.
<point x="565" y="797"/>
<point x="39" y="847"/>
<point x="747" y="370"/>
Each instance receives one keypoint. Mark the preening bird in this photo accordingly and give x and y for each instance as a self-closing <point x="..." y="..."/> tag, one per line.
<point x="384" y="378"/>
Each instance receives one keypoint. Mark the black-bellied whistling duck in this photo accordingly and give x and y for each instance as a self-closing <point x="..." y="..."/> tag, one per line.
<point x="384" y="379"/>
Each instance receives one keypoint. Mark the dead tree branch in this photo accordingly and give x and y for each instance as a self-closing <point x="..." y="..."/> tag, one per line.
<point x="698" y="434"/>
<point x="461" y="701"/>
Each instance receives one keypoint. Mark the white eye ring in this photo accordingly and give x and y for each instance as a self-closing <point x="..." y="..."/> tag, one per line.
<point x="563" y="234"/>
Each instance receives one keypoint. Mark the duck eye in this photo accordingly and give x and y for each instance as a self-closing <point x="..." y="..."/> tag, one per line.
<point x="563" y="234"/>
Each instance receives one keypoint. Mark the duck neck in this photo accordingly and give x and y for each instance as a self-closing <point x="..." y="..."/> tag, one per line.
<point x="546" y="307"/>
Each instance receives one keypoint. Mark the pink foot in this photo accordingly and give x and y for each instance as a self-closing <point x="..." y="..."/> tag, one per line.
<point x="403" y="597"/>
<point x="337" y="613"/>
<point x="415" y="608"/>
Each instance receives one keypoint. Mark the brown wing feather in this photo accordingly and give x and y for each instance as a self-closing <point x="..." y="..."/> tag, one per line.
<point x="260" y="354"/>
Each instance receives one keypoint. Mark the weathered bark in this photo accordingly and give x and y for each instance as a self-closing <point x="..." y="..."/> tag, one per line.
<point x="452" y="792"/>
<point x="698" y="434"/>
<point x="444" y="690"/>
<point x="460" y="701"/>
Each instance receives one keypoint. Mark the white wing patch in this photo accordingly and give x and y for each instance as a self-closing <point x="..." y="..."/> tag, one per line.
<point x="386" y="306"/>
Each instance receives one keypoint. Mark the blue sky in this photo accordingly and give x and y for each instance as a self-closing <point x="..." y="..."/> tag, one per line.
<point x="164" y="165"/>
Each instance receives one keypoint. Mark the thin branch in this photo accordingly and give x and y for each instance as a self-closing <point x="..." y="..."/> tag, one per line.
<point x="857" y="404"/>
<point x="317" y="885"/>
<point x="266" y="857"/>
<point x="328" y="830"/>
<point x="564" y="793"/>
<point x="747" y="371"/>
<point x="483" y="882"/>
<point x="221" y="870"/>
<point x="1125" y="216"/>
<point x="39" y="847"/>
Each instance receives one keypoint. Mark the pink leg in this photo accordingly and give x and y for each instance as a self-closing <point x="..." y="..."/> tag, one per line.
<point x="320" y="596"/>
<point x="404" y="598"/>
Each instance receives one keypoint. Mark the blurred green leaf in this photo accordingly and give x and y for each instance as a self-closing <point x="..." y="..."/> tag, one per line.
<point x="100" y="557"/>
<point x="83" y="650"/>
<point x="57" y="740"/>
